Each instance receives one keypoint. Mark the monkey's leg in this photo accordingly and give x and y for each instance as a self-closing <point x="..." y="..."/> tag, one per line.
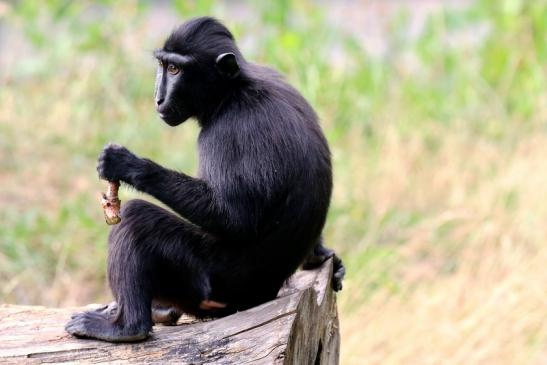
<point x="130" y="318"/>
<point x="152" y="253"/>
<point x="321" y="254"/>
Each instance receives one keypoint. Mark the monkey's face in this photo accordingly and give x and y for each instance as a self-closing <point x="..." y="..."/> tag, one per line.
<point x="172" y="104"/>
<point x="187" y="88"/>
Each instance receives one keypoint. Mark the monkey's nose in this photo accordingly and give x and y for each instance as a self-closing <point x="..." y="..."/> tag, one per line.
<point x="159" y="101"/>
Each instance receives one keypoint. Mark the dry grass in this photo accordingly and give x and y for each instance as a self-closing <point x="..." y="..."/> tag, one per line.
<point x="472" y="273"/>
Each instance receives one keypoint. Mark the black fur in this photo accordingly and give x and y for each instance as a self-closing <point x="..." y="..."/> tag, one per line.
<point x="254" y="214"/>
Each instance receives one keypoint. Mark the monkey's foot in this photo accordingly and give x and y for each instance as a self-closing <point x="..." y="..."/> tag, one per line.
<point x="108" y="310"/>
<point x="95" y="324"/>
<point x="168" y="316"/>
<point x="321" y="254"/>
<point x="338" y="273"/>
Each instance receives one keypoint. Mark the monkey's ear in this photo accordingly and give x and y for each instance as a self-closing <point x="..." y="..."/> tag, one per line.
<point x="227" y="65"/>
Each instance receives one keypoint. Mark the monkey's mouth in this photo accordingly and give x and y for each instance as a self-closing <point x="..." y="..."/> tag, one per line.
<point x="170" y="119"/>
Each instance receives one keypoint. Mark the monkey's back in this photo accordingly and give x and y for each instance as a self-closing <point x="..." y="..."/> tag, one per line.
<point x="266" y="158"/>
<point x="264" y="155"/>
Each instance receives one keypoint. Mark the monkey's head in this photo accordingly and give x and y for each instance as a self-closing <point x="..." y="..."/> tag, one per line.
<point x="197" y="65"/>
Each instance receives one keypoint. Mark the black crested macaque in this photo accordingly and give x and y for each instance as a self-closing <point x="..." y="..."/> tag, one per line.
<point x="251" y="218"/>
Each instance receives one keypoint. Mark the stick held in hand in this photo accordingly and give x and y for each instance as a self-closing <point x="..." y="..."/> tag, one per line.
<point x="111" y="204"/>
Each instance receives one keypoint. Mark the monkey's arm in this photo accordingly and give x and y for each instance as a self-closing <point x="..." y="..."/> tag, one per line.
<point x="190" y="197"/>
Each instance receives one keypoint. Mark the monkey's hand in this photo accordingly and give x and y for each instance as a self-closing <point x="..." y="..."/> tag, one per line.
<point x="118" y="163"/>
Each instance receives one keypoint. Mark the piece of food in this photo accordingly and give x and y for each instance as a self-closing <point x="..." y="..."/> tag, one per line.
<point x="111" y="204"/>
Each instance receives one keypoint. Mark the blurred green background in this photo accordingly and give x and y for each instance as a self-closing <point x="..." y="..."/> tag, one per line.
<point x="436" y="113"/>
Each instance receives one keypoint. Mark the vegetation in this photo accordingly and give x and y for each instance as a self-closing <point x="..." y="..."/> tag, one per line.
<point x="439" y="149"/>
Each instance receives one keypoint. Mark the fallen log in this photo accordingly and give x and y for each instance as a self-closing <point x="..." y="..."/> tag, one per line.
<point x="299" y="327"/>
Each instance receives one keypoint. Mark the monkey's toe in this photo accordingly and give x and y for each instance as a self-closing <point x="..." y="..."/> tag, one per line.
<point x="339" y="271"/>
<point x="80" y="325"/>
<point x="96" y="325"/>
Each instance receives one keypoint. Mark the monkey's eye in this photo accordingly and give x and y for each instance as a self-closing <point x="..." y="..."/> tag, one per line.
<point x="160" y="63"/>
<point x="172" y="69"/>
